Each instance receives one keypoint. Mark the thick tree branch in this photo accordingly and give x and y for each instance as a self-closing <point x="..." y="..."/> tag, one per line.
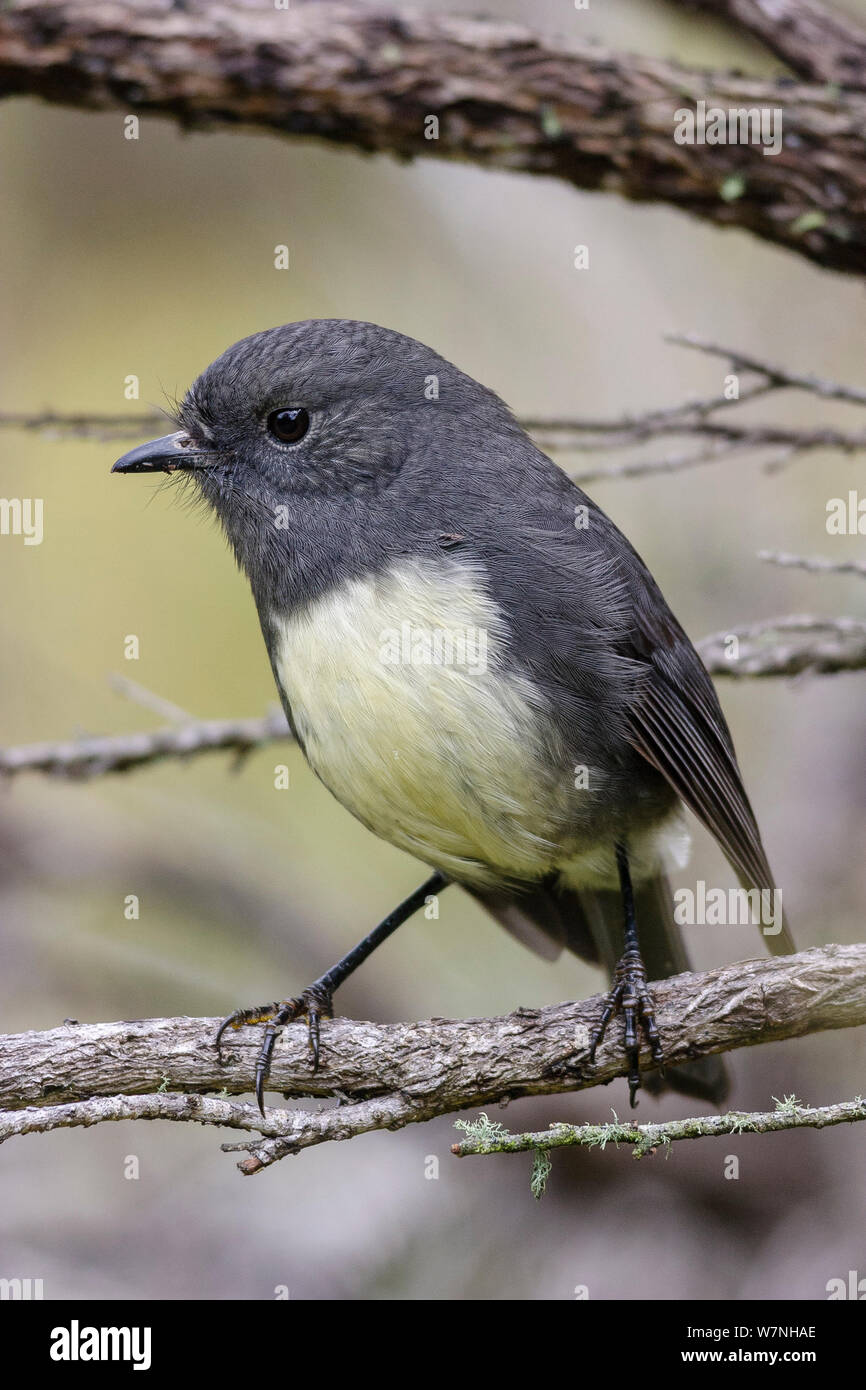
<point x="820" y="44"/>
<point x="386" y="1076"/>
<point x="502" y="96"/>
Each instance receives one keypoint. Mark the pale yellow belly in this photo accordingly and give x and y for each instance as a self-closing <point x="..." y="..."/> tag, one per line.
<point x="397" y="691"/>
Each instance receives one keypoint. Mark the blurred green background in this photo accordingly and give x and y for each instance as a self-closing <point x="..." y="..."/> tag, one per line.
<point x="150" y="257"/>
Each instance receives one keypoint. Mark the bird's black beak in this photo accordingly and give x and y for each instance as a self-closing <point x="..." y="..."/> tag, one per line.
<point x="162" y="455"/>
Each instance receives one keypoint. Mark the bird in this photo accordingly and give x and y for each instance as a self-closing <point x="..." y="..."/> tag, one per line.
<point x="472" y="658"/>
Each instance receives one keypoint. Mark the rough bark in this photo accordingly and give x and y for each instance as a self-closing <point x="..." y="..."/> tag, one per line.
<point x="815" y="42"/>
<point x="387" y="1076"/>
<point x="503" y="97"/>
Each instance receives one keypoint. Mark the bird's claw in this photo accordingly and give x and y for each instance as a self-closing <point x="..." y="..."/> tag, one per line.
<point x="314" y="1002"/>
<point x="630" y="996"/>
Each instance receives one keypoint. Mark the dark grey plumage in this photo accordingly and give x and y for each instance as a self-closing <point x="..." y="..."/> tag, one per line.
<point x="391" y="471"/>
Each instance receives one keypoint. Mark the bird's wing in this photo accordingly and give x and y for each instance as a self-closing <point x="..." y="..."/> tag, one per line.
<point x="608" y="634"/>
<point x="677" y="724"/>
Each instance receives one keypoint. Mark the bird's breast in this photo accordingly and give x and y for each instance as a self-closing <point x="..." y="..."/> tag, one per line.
<point x="408" y="709"/>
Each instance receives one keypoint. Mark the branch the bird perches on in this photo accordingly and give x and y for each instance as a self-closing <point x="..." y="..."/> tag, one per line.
<point x="389" y="1075"/>
<point x="80" y="1075"/>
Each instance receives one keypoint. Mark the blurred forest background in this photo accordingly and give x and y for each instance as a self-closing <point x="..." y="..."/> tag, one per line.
<point x="150" y="257"/>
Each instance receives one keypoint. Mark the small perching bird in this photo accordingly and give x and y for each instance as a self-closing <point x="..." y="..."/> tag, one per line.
<point x="471" y="656"/>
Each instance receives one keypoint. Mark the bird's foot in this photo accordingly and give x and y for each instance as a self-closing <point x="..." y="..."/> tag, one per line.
<point x="630" y="996"/>
<point x="315" y="1003"/>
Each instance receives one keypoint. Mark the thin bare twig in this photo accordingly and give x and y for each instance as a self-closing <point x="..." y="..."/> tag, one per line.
<point x="815" y="564"/>
<point x="777" y="376"/>
<point x="486" y="1137"/>
<point x="786" y="646"/>
<point x="720" y="439"/>
<point x="85" y="424"/>
<point x="723" y="438"/>
<point x="93" y="757"/>
<point x="634" y="428"/>
<point x="148" y="699"/>
<point x="679" y="463"/>
<point x="821" y="645"/>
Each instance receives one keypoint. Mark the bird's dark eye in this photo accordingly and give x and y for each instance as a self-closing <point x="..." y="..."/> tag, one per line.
<point x="288" y="426"/>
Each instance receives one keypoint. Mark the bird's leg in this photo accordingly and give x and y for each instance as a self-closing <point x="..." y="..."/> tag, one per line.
<point x="629" y="994"/>
<point x="316" y="1001"/>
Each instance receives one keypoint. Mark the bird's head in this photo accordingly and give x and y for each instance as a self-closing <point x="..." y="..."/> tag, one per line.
<point x="300" y="435"/>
